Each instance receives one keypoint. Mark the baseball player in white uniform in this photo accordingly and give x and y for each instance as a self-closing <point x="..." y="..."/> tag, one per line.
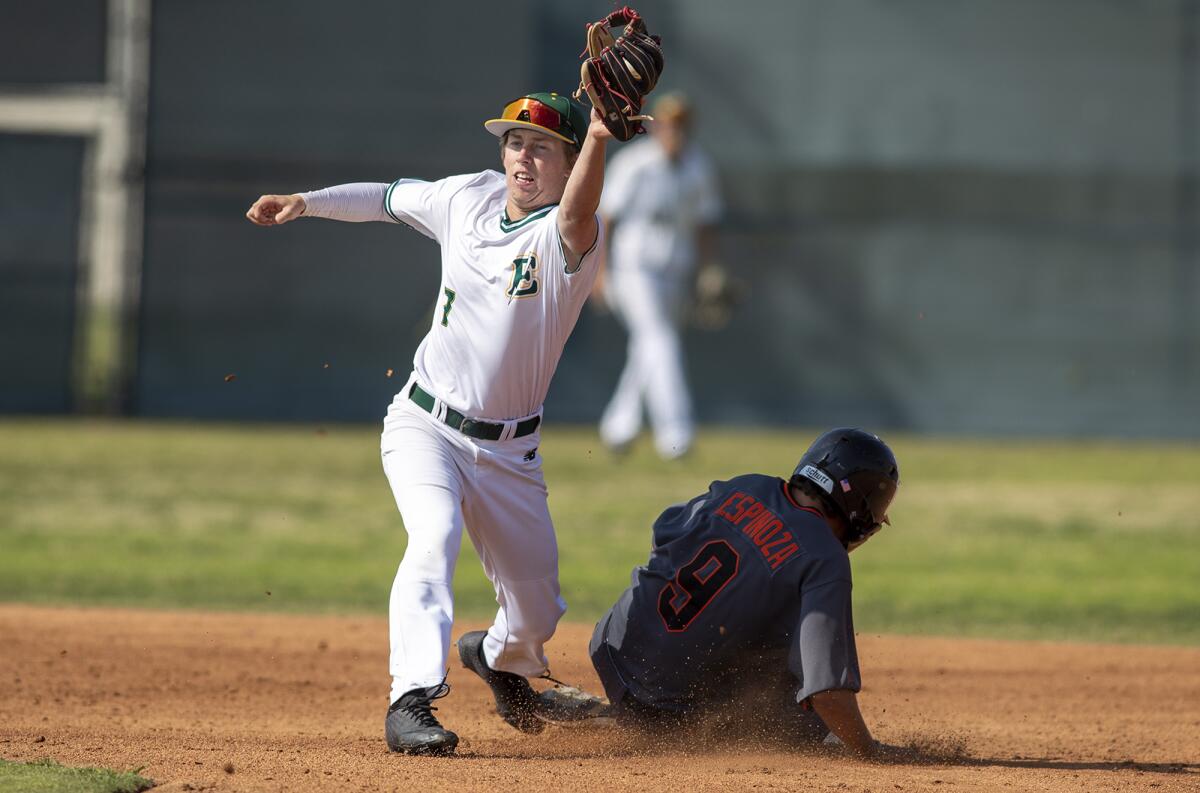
<point x="660" y="203"/>
<point x="460" y="440"/>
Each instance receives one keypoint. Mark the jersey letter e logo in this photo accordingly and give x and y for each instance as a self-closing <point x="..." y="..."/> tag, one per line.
<point x="523" y="282"/>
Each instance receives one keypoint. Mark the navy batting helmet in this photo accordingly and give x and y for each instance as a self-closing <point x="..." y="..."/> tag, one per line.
<point x="858" y="474"/>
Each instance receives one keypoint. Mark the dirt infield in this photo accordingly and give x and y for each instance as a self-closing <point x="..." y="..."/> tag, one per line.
<point x="284" y="703"/>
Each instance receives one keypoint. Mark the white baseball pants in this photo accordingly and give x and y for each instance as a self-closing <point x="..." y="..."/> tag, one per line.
<point x="650" y="305"/>
<point x="444" y="481"/>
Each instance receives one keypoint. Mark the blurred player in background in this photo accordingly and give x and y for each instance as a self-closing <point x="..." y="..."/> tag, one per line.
<point x="660" y="203"/>
<point x="460" y="441"/>
<point x="741" y="619"/>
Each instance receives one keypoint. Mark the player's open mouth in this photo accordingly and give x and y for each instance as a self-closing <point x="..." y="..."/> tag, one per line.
<point x="523" y="178"/>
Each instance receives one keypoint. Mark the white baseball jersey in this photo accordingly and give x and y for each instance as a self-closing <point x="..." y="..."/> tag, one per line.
<point x="508" y="298"/>
<point x="658" y="205"/>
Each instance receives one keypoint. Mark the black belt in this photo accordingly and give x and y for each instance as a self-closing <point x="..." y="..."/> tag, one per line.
<point x="474" y="428"/>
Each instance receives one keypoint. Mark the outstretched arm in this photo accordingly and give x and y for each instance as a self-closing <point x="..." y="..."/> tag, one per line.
<point x="577" y="210"/>
<point x="355" y="203"/>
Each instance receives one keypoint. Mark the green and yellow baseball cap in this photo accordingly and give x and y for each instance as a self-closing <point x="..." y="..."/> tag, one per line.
<point x="554" y="114"/>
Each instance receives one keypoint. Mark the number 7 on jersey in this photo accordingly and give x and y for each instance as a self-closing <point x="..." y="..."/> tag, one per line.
<point x="450" y="295"/>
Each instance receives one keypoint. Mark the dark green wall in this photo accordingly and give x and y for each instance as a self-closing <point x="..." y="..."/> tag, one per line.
<point x="952" y="216"/>
<point x="39" y="256"/>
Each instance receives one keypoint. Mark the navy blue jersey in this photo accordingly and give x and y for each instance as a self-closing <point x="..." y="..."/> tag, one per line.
<point x="734" y="572"/>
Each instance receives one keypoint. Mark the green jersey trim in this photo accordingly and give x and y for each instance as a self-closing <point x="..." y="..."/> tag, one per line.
<point x="578" y="265"/>
<point x="387" y="202"/>
<point x="507" y="225"/>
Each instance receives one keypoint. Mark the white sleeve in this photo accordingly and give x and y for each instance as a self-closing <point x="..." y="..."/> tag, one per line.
<point x="589" y="256"/>
<point x="356" y="203"/>
<point x="421" y="205"/>
<point x="562" y="262"/>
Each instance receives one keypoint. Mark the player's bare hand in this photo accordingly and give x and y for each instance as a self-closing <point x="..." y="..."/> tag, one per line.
<point x="596" y="128"/>
<point x="272" y="210"/>
<point x="875" y="751"/>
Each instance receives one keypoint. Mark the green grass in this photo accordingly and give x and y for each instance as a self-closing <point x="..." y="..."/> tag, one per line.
<point x="1038" y="539"/>
<point x="47" y="776"/>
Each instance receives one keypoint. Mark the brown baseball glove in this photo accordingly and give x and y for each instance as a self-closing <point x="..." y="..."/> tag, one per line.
<point x="618" y="73"/>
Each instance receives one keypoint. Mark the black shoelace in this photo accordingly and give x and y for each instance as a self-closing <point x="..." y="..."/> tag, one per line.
<point x="421" y="710"/>
<point x="422" y="714"/>
<point x="546" y="676"/>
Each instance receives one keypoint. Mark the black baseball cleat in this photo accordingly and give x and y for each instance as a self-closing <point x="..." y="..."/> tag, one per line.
<point x="411" y="727"/>
<point x="516" y="701"/>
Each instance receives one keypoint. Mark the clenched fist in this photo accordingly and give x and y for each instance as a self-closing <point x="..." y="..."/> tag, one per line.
<point x="271" y="210"/>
